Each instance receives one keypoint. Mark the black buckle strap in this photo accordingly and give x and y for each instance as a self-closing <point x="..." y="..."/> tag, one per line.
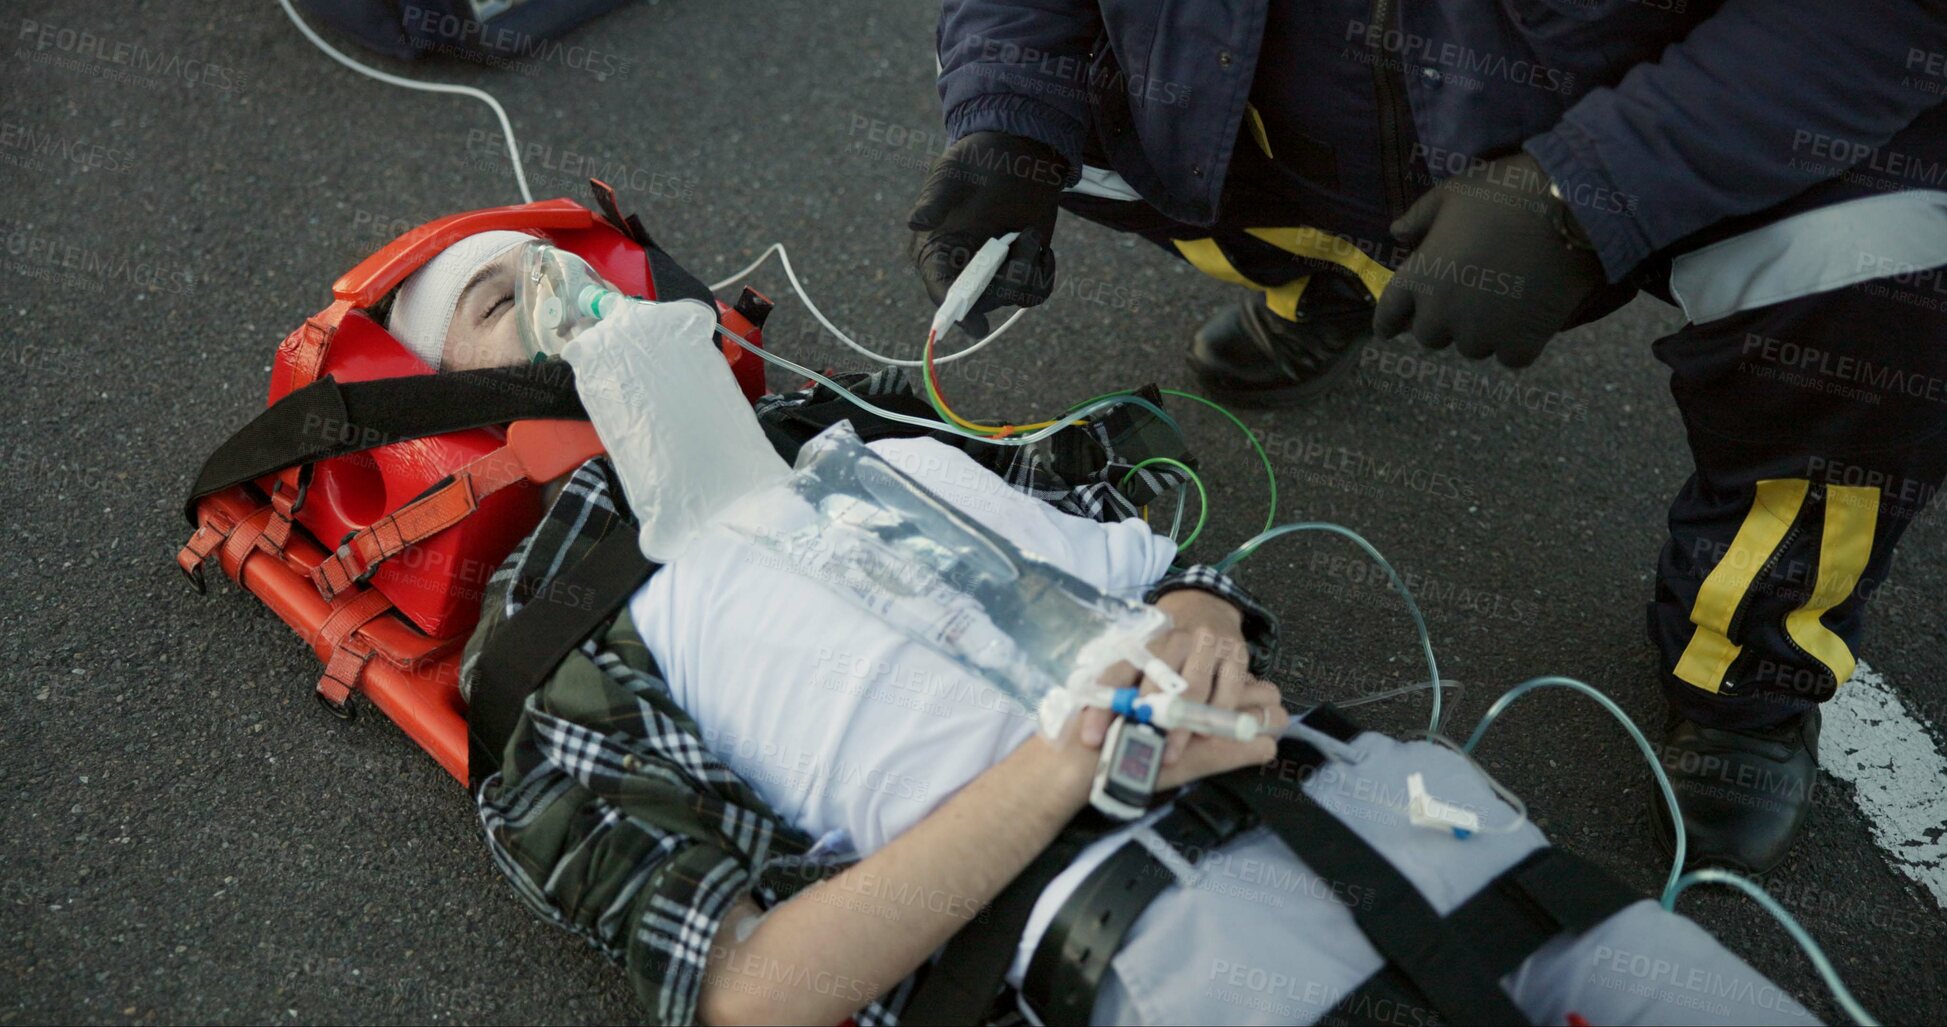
<point x="329" y="418"/>
<point x="521" y="655"/>
<point x="1549" y="893"/>
<point x="961" y="985"/>
<point x="1071" y="959"/>
<point x="1448" y="967"/>
<point x="1440" y="963"/>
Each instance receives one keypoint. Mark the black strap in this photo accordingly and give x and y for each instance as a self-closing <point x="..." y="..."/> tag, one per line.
<point x="329" y="418"/>
<point x="519" y="657"/>
<point x="1442" y="964"/>
<point x="672" y="281"/>
<point x="960" y="986"/>
<point x="1549" y="893"/>
<point x="1447" y="968"/>
<point x="1071" y="959"/>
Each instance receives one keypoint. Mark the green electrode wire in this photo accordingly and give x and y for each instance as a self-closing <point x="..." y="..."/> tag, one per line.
<point x="1203" y="498"/>
<point x="1270" y="474"/>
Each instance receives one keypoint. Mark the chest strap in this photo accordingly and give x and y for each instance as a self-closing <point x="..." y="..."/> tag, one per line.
<point x="522" y="654"/>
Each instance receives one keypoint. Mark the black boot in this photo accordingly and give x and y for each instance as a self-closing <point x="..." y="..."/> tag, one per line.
<point x="1251" y="357"/>
<point x="1744" y="794"/>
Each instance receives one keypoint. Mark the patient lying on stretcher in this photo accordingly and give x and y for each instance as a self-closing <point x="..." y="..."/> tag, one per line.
<point x="770" y="806"/>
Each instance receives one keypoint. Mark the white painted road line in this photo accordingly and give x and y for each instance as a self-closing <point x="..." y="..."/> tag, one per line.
<point x="1871" y="739"/>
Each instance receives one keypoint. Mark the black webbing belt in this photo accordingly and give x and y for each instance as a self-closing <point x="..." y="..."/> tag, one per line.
<point x="961" y="985"/>
<point x="521" y="655"/>
<point x="1443" y="965"/>
<point x="1548" y="893"/>
<point x="1088" y="930"/>
<point x="1448" y="968"/>
<point x="329" y="418"/>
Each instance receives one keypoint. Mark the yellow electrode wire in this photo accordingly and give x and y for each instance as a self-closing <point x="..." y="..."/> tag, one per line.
<point x="938" y="399"/>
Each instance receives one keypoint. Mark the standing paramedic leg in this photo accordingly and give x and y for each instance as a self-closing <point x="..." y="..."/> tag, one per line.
<point x="1817" y="426"/>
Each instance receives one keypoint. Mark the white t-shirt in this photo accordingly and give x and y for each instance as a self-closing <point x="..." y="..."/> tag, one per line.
<point x="841" y="722"/>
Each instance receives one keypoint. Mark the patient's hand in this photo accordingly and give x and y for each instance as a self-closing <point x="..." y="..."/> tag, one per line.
<point x="1205" y="644"/>
<point x="1207" y="755"/>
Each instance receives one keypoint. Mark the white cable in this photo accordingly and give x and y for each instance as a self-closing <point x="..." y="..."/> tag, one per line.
<point x="1076" y="416"/>
<point x="506" y="127"/>
<point x="791" y="273"/>
<point x="520" y="176"/>
<point x="971" y="282"/>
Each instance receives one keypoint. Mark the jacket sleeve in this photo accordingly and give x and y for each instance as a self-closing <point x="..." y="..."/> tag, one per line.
<point x="1710" y="130"/>
<point x="1020" y="67"/>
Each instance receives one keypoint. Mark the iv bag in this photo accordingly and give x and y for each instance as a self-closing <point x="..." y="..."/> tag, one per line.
<point x="856" y="524"/>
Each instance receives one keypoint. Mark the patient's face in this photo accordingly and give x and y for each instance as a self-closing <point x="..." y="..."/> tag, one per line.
<point x="483" y="332"/>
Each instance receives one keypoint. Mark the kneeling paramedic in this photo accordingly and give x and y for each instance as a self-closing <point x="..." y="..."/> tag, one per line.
<point x="772" y="806"/>
<point x="1485" y="175"/>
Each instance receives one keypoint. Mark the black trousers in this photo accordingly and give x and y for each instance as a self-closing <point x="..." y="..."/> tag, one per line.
<point x="1818" y="427"/>
<point x="1819" y="430"/>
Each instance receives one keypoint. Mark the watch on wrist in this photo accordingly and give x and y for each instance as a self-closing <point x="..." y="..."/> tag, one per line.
<point x="1571" y="230"/>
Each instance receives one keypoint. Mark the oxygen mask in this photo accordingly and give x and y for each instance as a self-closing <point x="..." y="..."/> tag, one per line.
<point x="557" y="297"/>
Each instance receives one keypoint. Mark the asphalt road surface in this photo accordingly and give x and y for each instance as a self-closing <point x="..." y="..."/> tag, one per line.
<point x="188" y="837"/>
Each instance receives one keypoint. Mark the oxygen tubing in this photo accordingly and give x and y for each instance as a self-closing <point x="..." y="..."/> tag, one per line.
<point x="1405" y="594"/>
<point x="1678" y="881"/>
<point x="1840" y="993"/>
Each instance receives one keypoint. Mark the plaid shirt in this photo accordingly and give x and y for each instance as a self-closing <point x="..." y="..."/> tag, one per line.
<point x="612" y="818"/>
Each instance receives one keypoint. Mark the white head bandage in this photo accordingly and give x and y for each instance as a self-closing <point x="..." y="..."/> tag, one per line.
<point x="424" y="307"/>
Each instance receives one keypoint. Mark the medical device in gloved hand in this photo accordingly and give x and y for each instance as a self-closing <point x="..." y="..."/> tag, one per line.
<point x="973" y="281"/>
<point x="667" y="407"/>
<point x="987" y="184"/>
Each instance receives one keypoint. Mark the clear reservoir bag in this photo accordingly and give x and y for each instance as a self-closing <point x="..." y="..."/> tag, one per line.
<point x="852" y="521"/>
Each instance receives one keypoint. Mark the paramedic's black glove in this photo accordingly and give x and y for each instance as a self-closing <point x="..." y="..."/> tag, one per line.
<point x="1499" y="265"/>
<point x="985" y="185"/>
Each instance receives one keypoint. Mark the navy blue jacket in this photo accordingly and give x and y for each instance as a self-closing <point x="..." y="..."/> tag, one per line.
<point x="1656" y="118"/>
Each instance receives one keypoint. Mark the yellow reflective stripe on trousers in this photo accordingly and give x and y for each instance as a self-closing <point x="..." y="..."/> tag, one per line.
<point x="1709" y="655"/>
<point x="1205" y="256"/>
<point x="1851" y="514"/>
<point x="1321" y="245"/>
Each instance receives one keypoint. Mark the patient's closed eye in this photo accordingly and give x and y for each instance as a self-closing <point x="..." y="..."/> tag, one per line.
<point x="499" y="304"/>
